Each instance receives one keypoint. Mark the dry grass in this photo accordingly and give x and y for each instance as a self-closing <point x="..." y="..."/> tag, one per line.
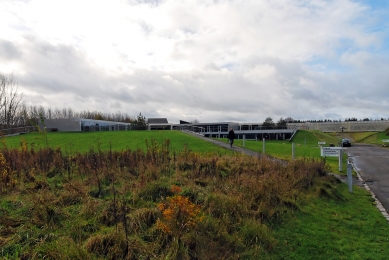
<point x="105" y="204"/>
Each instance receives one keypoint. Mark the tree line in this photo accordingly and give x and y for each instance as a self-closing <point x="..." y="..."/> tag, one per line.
<point x="14" y="112"/>
<point x="282" y="122"/>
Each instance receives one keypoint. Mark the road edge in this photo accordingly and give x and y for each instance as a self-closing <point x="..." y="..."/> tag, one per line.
<point x="377" y="202"/>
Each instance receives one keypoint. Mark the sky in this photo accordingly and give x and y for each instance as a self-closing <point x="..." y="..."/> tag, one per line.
<point x="210" y="61"/>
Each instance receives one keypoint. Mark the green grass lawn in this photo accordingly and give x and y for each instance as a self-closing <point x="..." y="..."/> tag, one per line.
<point x="305" y="146"/>
<point x="346" y="227"/>
<point x="375" y="138"/>
<point x="119" y="140"/>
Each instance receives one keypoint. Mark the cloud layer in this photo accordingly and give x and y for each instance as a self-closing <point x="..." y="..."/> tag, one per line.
<point x="206" y="60"/>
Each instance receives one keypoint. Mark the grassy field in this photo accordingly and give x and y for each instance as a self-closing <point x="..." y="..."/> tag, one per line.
<point x="84" y="141"/>
<point x="305" y="146"/>
<point x="91" y="206"/>
<point x="306" y="143"/>
<point x="373" y="138"/>
<point x="341" y="226"/>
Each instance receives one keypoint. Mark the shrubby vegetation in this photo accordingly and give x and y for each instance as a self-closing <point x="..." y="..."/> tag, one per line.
<point x="155" y="204"/>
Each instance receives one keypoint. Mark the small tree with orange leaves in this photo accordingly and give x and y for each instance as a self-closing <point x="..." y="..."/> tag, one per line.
<point x="179" y="214"/>
<point x="7" y="180"/>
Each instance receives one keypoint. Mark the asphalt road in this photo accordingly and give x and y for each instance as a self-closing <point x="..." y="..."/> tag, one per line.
<point x="372" y="163"/>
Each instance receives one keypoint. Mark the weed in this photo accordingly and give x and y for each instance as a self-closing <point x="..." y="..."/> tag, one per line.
<point x="111" y="245"/>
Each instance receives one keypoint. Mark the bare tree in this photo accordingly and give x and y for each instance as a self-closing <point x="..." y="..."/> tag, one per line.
<point x="57" y="113"/>
<point x="11" y="100"/>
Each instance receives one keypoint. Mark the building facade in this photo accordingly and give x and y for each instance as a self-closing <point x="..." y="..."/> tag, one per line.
<point x="249" y="131"/>
<point x="85" y="125"/>
<point x="215" y="129"/>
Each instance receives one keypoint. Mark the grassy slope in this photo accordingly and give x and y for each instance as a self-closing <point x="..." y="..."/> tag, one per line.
<point x="349" y="227"/>
<point x="374" y="138"/>
<point x="121" y="140"/>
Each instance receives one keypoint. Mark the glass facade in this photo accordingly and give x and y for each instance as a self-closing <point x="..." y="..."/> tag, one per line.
<point x="100" y="125"/>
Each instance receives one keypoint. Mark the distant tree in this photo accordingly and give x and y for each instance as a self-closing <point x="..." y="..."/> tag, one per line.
<point x="11" y="101"/>
<point x="140" y="120"/>
<point x="195" y="121"/>
<point x="49" y="113"/>
<point x="289" y="120"/>
<point x="281" y="123"/>
<point x="268" y="122"/>
<point x="98" y="116"/>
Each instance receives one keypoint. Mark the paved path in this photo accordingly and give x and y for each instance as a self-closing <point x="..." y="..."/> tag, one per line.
<point x="372" y="164"/>
<point x="226" y="145"/>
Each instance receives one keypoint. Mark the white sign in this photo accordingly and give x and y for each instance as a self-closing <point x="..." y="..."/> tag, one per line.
<point x="321" y="142"/>
<point x="385" y="140"/>
<point x="330" y="151"/>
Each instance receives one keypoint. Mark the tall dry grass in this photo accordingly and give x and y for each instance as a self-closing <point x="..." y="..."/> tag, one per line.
<point x="159" y="204"/>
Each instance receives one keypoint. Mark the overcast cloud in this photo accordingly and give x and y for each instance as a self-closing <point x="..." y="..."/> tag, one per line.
<point x="206" y="60"/>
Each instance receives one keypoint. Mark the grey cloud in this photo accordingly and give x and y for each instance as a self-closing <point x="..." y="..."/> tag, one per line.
<point x="211" y="66"/>
<point x="149" y="2"/>
<point x="8" y="51"/>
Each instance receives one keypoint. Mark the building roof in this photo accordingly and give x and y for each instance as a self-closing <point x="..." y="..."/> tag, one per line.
<point x="157" y="121"/>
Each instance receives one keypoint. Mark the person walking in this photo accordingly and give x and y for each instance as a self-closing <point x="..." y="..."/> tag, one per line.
<point x="231" y="136"/>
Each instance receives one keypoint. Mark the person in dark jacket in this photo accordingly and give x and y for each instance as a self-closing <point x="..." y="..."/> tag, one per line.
<point x="231" y="136"/>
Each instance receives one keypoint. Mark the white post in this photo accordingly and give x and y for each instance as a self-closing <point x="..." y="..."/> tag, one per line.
<point x="263" y="146"/>
<point x="244" y="138"/>
<point x="340" y="159"/>
<point x="349" y="177"/>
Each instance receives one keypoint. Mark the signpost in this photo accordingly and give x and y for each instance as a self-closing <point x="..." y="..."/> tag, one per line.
<point x="333" y="152"/>
<point x="340" y="159"/>
<point x="330" y="151"/>
<point x="321" y="143"/>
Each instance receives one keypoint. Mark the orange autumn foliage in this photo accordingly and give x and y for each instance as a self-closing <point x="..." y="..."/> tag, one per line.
<point x="179" y="215"/>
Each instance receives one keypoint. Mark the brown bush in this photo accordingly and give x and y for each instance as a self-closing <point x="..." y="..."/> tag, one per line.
<point x="110" y="246"/>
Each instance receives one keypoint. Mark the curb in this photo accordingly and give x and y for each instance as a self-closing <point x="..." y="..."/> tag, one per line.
<point x="377" y="202"/>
